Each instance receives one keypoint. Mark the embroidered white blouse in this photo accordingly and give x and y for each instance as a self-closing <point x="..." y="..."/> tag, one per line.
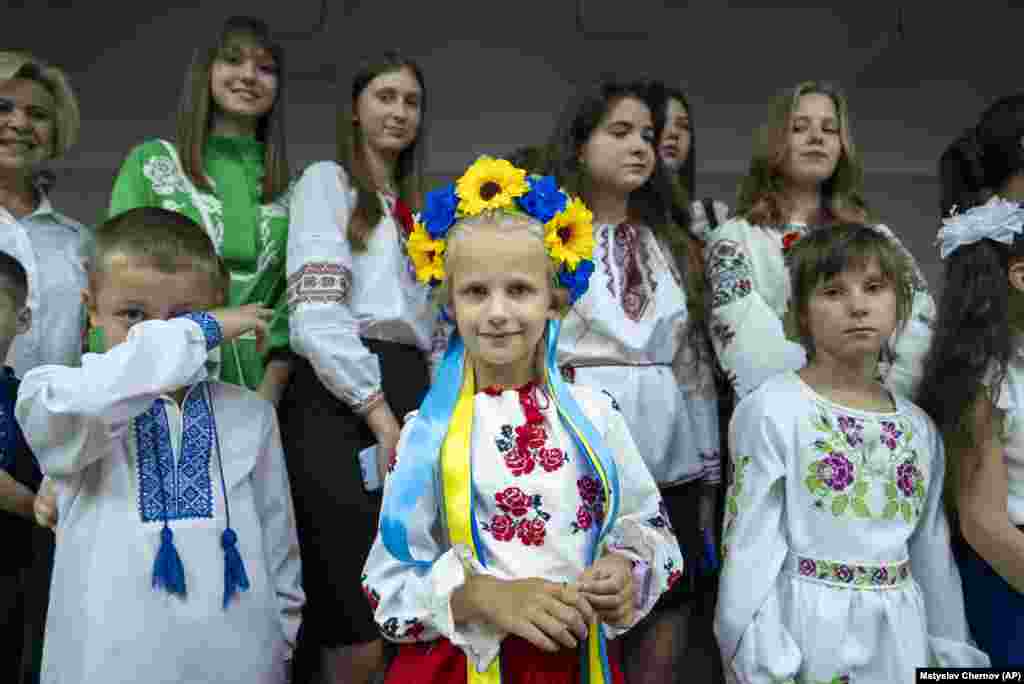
<point x="837" y="559"/>
<point x="536" y="506"/>
<point x="1010" y="400"/>
<point x="51" y="247"/>
<point x="750" y="291"/>
<point x="124" y="457"/>
<point x="336" y="297"/>
<point x="630" y="336"/>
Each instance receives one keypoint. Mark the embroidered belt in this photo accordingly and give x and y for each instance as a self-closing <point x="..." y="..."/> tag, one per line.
<point x="885" y="575"/>
<point x="569" y="369"/>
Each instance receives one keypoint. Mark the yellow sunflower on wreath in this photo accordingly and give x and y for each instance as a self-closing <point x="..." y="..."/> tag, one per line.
<point x="490" y="184"/>
<point x="426" y="254"/>
<point x="569" y="236"/>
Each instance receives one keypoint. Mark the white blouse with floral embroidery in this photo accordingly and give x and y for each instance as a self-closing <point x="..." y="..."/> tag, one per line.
<point x="336" y="297"/>
<point x="837" y="559"/>
<point x="750" y="288"/>
<point x="630" y="335"/>
<point x="536" y="506"/>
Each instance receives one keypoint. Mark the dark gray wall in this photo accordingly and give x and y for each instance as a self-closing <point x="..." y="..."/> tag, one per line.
<point x="498" y="72"/>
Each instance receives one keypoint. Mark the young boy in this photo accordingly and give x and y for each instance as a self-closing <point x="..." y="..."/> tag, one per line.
<point x="19" y="475"/>
<point x="177" y="557"/>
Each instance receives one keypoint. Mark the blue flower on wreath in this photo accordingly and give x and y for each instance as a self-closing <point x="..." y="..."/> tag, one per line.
<point x="576" y="281"/>
<point x="439" y="210"/>
<point x="544" y="199"/>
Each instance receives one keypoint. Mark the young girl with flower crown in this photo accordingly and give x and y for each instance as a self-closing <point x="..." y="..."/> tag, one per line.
<point x="974" y="381"/>
<point x="637" y="335"/>
<point x="520" y="529"/>
<point x="837" y="565"/>
<point x="805" y="172"/>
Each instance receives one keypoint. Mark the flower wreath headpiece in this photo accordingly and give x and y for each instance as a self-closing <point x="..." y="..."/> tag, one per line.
<point x="998" y="219"/>
<point x="496" y="185"/>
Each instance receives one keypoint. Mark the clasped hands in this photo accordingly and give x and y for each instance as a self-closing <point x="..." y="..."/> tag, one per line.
<point x="551" y="615"/>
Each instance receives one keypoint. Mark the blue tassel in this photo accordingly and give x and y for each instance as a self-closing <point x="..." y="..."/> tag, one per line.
<point x="168" y="571"/>
<point x="235" y="578"/>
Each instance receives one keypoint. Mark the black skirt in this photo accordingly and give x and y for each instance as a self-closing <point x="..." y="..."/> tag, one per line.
<point x="336" y="518"/>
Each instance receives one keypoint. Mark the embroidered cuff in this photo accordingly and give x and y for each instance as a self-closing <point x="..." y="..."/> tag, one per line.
<point x="210" y="327"/>
<point x="480" y="642"/>
<point x="368" y="404"/>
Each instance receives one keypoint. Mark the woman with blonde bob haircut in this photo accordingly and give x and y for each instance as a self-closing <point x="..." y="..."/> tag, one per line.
<point x="227" y="170"/>
<point x="805" y="173"/>
<point x="39" y="122"/>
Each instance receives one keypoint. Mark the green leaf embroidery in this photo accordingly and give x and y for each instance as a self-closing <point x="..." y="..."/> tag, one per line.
<point x="733" y="506"/>
<point x="908" y="512"/>
<point x="861" y="488"/>
<point x="891" y="491"/>
<point x="860" y="507"/>
<point x="839" y="505"/>
<point x="891" y="509"/>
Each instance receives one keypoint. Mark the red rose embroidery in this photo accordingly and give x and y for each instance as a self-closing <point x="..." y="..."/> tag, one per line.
<point x="674" y="577"/>
<point x="502" y="528"/>
<point x="414" y="630"/>
<point x="531" y="435"/>
<point x="513" y="501"/>
<point x="531" y="532"/>
<point x="590" y="489"/>
<point x="404" y="216"/>
<point x="519" y="461"/>
<point x="583" y="518"/>
<point x="789" y="239"/>
<point x="392" y="460"/>
<point x="551" y="459"/>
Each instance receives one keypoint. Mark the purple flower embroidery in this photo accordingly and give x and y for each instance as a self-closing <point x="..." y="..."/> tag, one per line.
<point x="836" y="471"/>
<point x="890" y="434"/>
<point x="880" y="576"/>
<point x="807" y="567"/>
<point x="852" y="429"/>
<point x="844" y="573"/>
<point x="907" y="476"/>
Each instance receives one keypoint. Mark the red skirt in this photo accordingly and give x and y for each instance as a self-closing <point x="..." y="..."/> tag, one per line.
<point x="521" y="663"/>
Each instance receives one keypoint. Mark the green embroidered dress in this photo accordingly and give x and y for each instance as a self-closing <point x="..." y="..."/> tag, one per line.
<point x="249" y="235"/>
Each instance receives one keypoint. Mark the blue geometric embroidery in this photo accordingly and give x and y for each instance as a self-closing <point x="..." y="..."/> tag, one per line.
<point x="187" y="489"/>
<point x="210" y="326"/>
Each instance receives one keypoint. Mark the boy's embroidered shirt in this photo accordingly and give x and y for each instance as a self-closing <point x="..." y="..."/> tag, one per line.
<point x="834" y="534"/>
<point x="336" y="297"/>
<point x="249" y="234"/>
<point x="533" y="521"/>
<point x="110" y="440"/>
<point x="633" y="324"/>
<point x="750" y="292"/>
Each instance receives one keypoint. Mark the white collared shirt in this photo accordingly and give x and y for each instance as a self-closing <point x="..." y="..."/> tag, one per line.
<point x="51" y="247"/>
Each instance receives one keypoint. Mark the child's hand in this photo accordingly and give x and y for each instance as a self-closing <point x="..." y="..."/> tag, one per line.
<point x="608" y="587"/>
<point x="239" y="320"/>
<point x="44" y="506"/>
<point x="549" y="615"/>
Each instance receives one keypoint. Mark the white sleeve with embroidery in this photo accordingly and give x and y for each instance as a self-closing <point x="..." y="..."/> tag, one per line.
<point x="933" y="567"/>
<point x="273" y="503"/>
<point x="642" y="530"/>
<point x="322" y="327"/>
<point x="756" y="646"/>
<point x="910" y="346"/>
<point x="748" y="336"/>
<point x="695" y="374"/>
<point x="413" y="605"/>
<point x="63" y="409"/>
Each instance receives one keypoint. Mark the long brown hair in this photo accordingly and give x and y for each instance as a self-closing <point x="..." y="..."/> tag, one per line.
<point x="762" y="192"/>
<point x="408" y="169"/>
<point x="195" y="112"/>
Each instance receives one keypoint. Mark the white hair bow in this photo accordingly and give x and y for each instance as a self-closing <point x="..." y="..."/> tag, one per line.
<point x="998" y="219"/>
